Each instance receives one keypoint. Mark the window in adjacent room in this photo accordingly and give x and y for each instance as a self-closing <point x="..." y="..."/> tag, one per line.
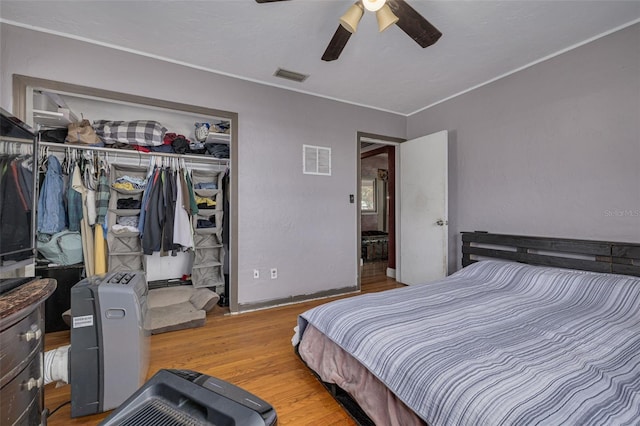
<point x="368" y="202"/>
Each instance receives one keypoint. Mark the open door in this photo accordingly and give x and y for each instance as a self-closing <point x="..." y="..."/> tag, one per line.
<point x="423" y="214"/>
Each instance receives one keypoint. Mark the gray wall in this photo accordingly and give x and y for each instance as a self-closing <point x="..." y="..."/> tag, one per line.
<point x="303" y="225"/>
<point x="553" y="150"/>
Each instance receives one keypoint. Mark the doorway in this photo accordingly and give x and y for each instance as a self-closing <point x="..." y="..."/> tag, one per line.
<point x="376" y="205"/>
<point x="417" y="232"/>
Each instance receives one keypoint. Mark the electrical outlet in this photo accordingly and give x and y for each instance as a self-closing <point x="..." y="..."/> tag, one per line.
<point x="274" y="273"/>
<point x="256" y="274"/>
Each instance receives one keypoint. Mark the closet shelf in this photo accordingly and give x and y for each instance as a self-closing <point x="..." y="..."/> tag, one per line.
<point x="207" y="265"/>
<point x="126" y="253"/>
<point x="205" y="212"/>
<point x="209" y="246"/>
<point x="125" y="212"/>
<point x="136" y="154"/>
<point x="125" y="234"/>
<point x="208" y="193"/>
<point x="61" y="118"/>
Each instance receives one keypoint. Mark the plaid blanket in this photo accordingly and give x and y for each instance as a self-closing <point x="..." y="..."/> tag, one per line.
<point x="139" y="132"/>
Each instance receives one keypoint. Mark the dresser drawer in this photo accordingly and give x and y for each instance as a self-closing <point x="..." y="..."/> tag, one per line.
<point x="32" y="416"/>
<point x="22" y="392"/>
<point x="19" y="343"/>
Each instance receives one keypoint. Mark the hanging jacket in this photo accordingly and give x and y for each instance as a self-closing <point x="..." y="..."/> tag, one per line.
<point x="169" y="212"/>
<point x="15" y="212"/>
<point x="51" y="214"/>
<point x="154" y="216"/>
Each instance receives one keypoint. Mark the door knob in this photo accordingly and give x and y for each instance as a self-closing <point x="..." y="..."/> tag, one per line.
<point x="441" y="222"/>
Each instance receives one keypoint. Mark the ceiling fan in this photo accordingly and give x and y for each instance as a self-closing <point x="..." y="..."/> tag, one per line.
<point x="388" y="12"/>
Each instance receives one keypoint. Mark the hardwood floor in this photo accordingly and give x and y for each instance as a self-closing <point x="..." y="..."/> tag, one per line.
<point x="251" y="350"/>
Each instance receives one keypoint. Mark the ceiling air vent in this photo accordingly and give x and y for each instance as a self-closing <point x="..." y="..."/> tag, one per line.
<point x="290" y="75"/>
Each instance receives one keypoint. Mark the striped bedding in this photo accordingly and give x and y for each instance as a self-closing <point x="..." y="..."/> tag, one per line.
<point x="500" y="343"/>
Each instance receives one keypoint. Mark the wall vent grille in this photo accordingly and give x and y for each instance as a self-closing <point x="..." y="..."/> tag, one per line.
<point x="290" y="75"/>
<point x="316" y="160"/>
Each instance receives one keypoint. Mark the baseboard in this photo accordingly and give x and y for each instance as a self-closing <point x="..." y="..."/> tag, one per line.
<point x="247" y="307"/>
<point x="391" y="273"/>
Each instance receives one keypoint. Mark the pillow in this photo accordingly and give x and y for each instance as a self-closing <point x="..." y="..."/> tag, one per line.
<point x="140" y="132"/>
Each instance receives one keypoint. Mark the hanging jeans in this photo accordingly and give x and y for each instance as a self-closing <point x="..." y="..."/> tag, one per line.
<point x="51" y="214"/>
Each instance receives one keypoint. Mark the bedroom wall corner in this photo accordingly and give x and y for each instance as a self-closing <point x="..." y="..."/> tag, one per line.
<point x="551" y="150"/>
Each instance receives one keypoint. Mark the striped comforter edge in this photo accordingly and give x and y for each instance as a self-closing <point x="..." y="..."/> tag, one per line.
<point x="500" y="343"/>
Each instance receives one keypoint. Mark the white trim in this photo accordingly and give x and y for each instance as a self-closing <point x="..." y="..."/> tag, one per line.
<point x="391" y="273"/>
<point x="201" y="68"/>
<point x="188" y="65"/>
<point x="559" y="52"/>
<point x="378" y="141"/>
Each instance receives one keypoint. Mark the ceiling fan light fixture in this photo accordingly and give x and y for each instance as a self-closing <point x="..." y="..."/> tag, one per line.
<point x="352" y="17"/>
<point x="386" y="18"/>
<point x="373" y="5"/>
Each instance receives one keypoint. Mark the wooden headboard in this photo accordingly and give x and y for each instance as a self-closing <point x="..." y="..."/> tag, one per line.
<point x="597" y="256"/>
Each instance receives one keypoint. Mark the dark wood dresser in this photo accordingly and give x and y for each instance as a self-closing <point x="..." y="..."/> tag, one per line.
<point x="21" y="353"/>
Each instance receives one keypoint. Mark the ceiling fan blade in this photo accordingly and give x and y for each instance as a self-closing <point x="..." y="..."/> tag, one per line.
<point x="337" y="43"/>
<point x="414" y="24"/>
<point x="268" y="1"/>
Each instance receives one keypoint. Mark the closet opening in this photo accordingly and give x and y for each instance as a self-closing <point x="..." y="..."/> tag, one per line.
<point x="206" y="155"/>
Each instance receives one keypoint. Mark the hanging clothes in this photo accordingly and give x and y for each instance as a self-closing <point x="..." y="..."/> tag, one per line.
<point x="16" y="189"/>
<point x="154" y="215"/>
<point x="186" y="199"/>
<point x="25" y="174"/>
<point x="151" y="177"/>
<point x="100" y="250"/>
<point x="102" y="197"/>
<point x="74" y="201"/>
<point x="170" y="211"/>
<point x="51" y="212"/>
<point x="182" y="229"/>
<point x="193" y="205"/>
<point x="85" y="229"/>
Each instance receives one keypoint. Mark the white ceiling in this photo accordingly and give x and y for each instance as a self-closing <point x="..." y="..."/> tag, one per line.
<point x="482" y="40"/>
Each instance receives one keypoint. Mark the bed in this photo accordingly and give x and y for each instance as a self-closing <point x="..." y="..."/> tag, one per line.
<point x="499" y="342"/>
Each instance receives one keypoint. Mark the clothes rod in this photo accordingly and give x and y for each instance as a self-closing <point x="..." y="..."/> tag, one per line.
<point x="134" y="153"/>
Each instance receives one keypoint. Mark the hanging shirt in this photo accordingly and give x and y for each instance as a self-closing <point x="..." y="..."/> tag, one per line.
<point x="182" y="229"/>
<point x="102" y="197"/>
<point x="74" y="202"/>
<point x="169" y="212"/>
<point x="154" y="217"/>
<point x="88" y="245"/>
<point x="15" y="213"/>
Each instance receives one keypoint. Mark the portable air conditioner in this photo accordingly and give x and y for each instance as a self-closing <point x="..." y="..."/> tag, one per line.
<point x="109" y="354"/>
